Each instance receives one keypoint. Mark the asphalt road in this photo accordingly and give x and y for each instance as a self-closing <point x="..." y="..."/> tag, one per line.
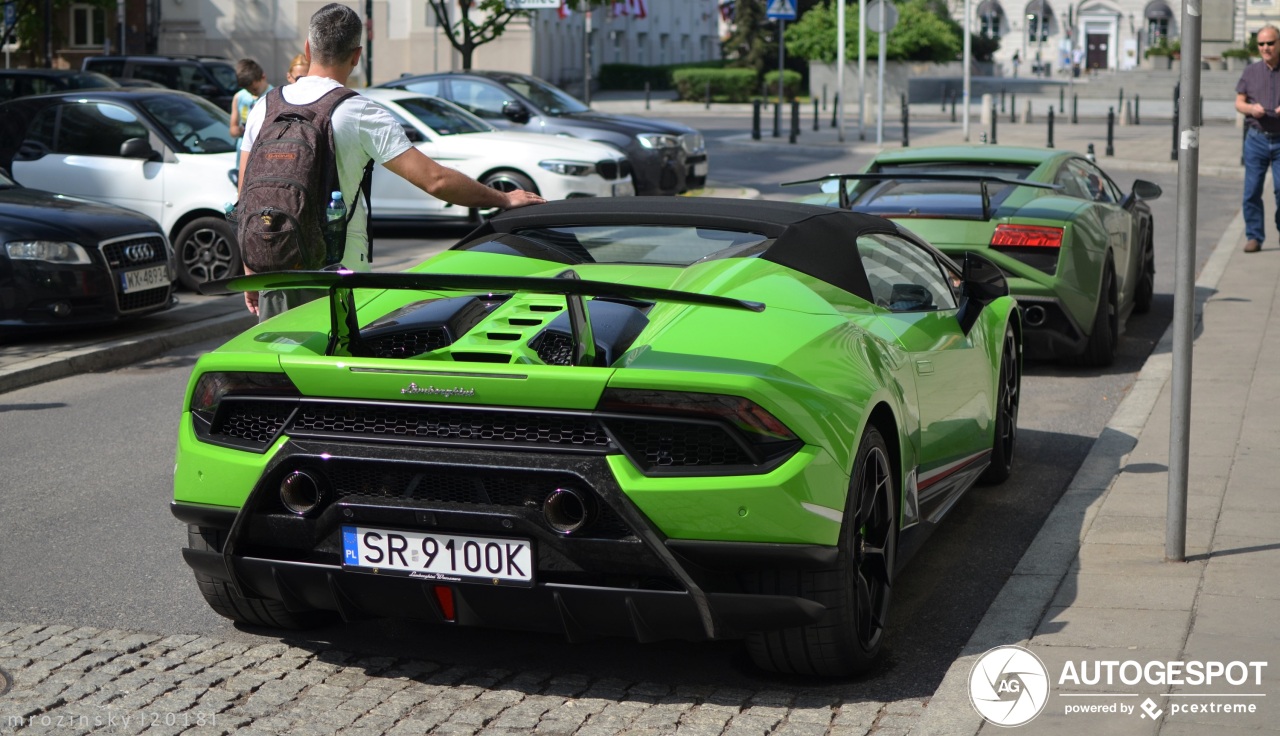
<point x="89" y="539"/>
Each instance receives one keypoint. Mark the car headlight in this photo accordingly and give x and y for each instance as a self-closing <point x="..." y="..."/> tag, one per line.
<point x="47" y="250"/>
<point x="568" y="168"/>
<point x="691" y="142"/>
<point x="657" y="140"/>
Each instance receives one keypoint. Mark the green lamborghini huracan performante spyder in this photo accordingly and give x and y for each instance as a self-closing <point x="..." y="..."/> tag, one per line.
<point x="1077" y="250"/>
<point x="642" y="417"/>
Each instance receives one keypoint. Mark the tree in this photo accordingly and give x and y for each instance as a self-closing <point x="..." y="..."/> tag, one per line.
<point x="466" y="34"/>
<point x="753" y="42"/>
<point x="925" y="32"/>
<point x="30" y="26"/>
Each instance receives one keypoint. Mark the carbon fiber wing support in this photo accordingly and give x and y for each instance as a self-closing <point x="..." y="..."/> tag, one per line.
<point x="344" y="335"/>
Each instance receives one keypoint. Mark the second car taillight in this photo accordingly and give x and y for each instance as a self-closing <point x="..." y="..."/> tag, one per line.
<point x="1026" y="236"/>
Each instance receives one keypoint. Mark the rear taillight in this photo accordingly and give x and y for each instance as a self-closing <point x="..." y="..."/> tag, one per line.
<point x="1026" y="236"/>
<point x="744" y="414"/>
<point x="212" y="387"/>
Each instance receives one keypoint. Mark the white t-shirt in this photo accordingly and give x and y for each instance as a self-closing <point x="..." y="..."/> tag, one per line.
<point x="362" y="130"/>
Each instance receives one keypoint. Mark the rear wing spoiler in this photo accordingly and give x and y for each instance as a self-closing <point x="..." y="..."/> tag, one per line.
<point x="344" y="335"/>
<point x="982" y="179"/>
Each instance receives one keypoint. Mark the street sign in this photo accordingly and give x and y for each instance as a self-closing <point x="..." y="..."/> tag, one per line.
<point x="10" y="14"/>
<point x="873" y="16"/>
<point x="533" y="4"/>
<point x="781" y="10"/>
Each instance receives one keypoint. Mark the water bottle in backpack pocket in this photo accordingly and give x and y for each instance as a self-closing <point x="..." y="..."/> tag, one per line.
<point x="335" y="228"/>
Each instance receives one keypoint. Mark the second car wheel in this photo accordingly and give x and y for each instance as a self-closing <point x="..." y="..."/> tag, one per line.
<point x="1008" y="393"/>
<point x="855" y="591"/>
<point x="509" y="181"/>
<point x="1100" y="351"/>
<point x="207" y="251"/>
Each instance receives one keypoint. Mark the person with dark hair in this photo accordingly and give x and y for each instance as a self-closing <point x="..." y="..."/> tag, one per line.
<point x="363" y="131"/>
<point x="253" y="84"/>
<point x="1258" y="99"/>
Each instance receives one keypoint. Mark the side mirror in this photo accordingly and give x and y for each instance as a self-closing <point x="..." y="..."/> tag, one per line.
<point x="30" y="150"/>
<point x="1146" y="189"/>
<point x="413" y="134"/>
<point x="515" y="111"/>
<point x="984" y="282"/>
<point x="138" y="148"/>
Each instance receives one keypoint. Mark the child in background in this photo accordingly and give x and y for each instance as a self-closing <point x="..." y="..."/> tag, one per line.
<point x="253" y="82"/>
<point x="297" y="68"/>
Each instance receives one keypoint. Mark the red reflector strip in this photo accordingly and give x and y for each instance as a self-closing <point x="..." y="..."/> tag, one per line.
<point x="1036" y="236"/>
<point x="444" y="596"/>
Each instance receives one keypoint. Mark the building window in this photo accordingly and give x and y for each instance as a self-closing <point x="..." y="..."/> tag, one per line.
<point x="1157" y="30"/>
<point x="88" y="26"/>
<point x="1036" y="30"/>
<point x="642" y="48"/>
<point x="663" y="43"/>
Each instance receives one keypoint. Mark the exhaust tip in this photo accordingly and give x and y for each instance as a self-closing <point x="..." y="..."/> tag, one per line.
<point x="566" y="511"/>
<point x="1034" y="315"/>
<point x="301" y="493"/>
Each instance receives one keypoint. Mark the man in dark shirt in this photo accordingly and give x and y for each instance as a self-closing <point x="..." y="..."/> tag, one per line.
<point x="1258" y="99"/>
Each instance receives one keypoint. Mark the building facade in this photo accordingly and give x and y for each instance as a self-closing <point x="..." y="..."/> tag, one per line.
<point x="1101" y="35"/>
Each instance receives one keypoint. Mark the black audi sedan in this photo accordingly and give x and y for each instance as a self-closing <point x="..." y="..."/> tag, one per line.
<point x="70" y="262"/>
<point x="666" y="157"/>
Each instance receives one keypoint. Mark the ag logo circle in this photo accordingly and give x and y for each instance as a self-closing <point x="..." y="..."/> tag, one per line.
<point x="1008" y="686"/>
<point x="6" y="682"/>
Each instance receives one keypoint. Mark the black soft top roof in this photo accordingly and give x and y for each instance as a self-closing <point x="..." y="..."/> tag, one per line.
<point x="815" y="240"/>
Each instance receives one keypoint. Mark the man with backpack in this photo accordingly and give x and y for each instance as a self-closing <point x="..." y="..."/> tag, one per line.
<point x="281" y="223"/>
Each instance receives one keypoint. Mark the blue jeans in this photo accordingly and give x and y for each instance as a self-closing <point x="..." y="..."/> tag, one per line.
<point x="1260" y="152"/>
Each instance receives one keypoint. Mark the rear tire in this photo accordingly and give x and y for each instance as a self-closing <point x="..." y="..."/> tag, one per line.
<point x="1100" y="351"/>
<point x="856" y="591"/>
<point x="1009" y="391"/>
<point x="224" y="600"/>
<point x="207" y="251"/>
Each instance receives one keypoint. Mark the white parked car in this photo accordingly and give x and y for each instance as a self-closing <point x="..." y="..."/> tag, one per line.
<point x="164" y="153"/>
<point x="555" y="167"/>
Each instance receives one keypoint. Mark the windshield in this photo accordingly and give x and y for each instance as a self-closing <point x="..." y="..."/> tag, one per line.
<point x="88" y="80"/>
<point x="673" y="245"/>
<point x="551" y="100"/>
<point x="226" y="76"/>
<point x="442" y="117"/>
<point x="196" y="125"/>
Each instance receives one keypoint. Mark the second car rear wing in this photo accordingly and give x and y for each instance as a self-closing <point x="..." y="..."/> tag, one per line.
<point x="344" y="336"/>
<point x="982" y="179"/>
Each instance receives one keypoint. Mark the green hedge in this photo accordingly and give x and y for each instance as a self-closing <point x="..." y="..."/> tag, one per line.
<point x="634" y="76"/>
<point x="790" y="83"/>
<point x="727" y="85"/>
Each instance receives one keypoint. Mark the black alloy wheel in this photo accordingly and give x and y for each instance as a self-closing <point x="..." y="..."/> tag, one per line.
<point x="1100" y="351"/>
<point x="1009" y="392"/>
<point x="1146" y="291"/>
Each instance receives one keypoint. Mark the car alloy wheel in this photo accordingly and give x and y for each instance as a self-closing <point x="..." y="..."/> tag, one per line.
<point x="207" y="251"/>
<point x="509" y="181"/>
<point x="1007" y="399"/>
<point x="1100" y="350"/>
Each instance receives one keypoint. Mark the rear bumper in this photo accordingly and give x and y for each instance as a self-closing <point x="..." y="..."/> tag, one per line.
<point x="1049" y="331"/>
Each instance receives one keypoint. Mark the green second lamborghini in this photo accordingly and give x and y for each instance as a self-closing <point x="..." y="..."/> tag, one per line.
<point x="1077" y="250"/>
<point x="643" y="417"/>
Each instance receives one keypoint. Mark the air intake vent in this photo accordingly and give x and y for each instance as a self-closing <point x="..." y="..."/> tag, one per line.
<point x="408" y="344"/>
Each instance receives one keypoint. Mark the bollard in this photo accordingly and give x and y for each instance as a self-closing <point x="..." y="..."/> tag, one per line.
<point x="1173" y="150"/>
<point x="1026" y="118"/>
<point x="795" y="120"/>
<point x="755" y="120"/>
<point x="994" y="118"/>
<point x="1075" y="109"/>
<point x="1136" y="100"/>
<point x="646" y="95"/>
<point x="1200" y="114"/>
<point x="835" y="108"/>
<point x="906" y="123"/>
<point x="1013" y="108"/>
<point x="777" y="119"/>
<point x="815" y="115"/>
<point x="1120" y="104"/>
<point x="944" y="98"/>
<point x="953" y="106"/>
<point x="1062" y="98"/>
<point x="1050" y="145"/>
<point x="1002" y="99"/>
<point x="708" y="94"/>
<point x="824" y="98"/>
<point x="1090" y="154"/>
<point x="1111" y="131"/>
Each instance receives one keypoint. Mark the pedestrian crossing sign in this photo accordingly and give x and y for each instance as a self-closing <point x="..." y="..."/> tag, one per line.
<point x="781" y="10"/>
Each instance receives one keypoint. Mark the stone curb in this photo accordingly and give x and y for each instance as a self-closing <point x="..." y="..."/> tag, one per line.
<point x="1018" y="608"/>
<point x="122" y="352"/>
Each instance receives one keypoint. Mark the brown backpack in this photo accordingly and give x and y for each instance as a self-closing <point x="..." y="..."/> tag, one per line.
<point x="288" y="177"/>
